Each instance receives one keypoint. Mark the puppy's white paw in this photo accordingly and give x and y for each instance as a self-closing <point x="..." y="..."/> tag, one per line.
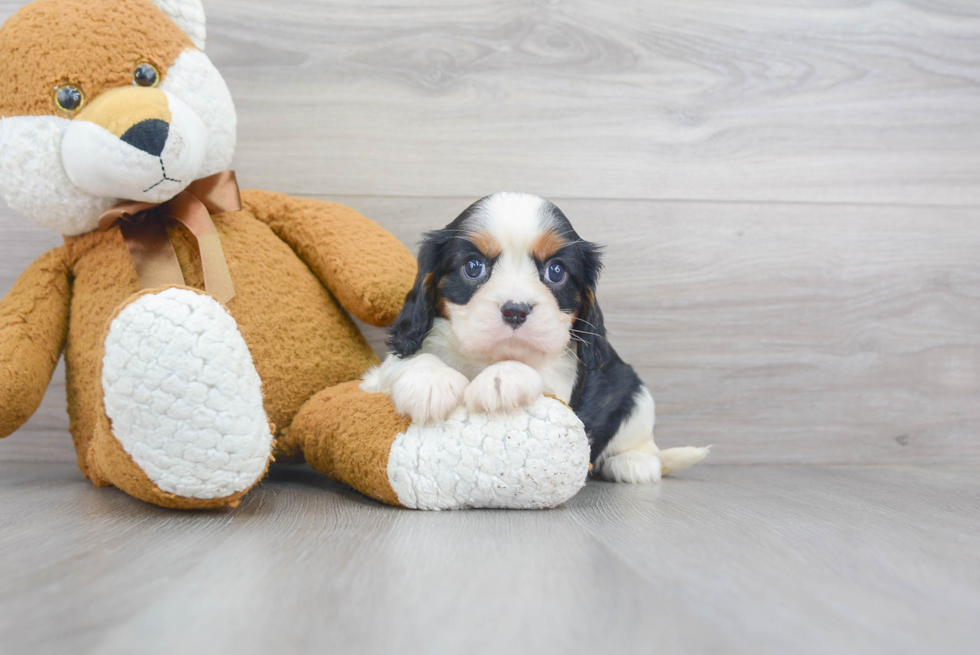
<point x="631" y="467"/>
<point x="504" y="386"/>
<point x="426" y="390"/>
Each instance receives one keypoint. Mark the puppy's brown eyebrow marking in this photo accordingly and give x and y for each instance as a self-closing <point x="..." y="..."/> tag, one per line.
<point x="486" y="243"/>
<point x="547" y="245"/>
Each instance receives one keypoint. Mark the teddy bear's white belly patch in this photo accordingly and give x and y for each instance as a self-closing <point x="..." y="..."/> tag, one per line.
<point x="184" y="397"/>
<point x="531" y="458"/>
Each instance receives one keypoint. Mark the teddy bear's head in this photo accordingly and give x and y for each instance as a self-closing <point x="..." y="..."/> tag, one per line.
<point x="107" y="100"/>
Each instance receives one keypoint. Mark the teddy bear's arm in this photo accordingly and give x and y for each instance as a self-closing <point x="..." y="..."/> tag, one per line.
<point x="33" y="329"/>
<point x="366" y="268"/>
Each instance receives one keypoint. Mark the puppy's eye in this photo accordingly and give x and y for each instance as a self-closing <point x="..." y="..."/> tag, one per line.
<point x="145" y="75"/>
<point x="555" y="273"/>
<point x="68" y="98"/>
<point x="474" y="269"/>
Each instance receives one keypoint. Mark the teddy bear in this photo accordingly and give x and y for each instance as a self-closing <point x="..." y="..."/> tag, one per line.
<point x="207" y="330"/>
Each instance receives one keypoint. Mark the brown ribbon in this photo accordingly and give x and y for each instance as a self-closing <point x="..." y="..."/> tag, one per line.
<point x="145" y="233"/>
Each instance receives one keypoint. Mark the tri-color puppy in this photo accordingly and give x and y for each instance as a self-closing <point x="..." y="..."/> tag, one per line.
<point x="504" y="309"/>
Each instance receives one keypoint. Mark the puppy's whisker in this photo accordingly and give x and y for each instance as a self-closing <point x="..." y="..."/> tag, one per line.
<point x="592" y="334"/>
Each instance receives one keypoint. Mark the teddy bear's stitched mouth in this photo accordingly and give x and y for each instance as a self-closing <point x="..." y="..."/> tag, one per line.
<point x="163" y="168"/>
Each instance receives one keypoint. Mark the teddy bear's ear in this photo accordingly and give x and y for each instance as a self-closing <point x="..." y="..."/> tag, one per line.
<point x="189" y="16"/>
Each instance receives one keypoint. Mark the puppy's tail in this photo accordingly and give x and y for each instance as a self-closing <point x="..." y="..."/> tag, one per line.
<point x="678" y="459"/>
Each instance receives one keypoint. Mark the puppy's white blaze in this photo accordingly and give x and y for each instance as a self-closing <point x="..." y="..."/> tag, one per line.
<point x="516" y="219"/>
<point x="422" y="387"/>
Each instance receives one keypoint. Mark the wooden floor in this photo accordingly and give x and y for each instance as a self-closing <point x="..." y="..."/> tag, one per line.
<point x="789" y="194"/>
<point x="720" y="559"/>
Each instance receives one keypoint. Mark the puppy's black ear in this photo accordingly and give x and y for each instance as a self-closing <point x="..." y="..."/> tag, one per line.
<point x="590" y="329"/>
<point x="409" y="330"/>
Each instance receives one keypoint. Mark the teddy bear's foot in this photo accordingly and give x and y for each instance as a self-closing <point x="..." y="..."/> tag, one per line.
<point x="533" y="458"/>
<point x="184" y="424"/>
<point x="530" y="458"/>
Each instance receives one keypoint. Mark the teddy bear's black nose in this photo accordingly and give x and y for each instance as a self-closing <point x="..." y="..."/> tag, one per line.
<point x="149" y="136"/>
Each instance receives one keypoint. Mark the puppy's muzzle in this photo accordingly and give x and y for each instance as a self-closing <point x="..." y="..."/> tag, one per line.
<point x="515" y="313"/>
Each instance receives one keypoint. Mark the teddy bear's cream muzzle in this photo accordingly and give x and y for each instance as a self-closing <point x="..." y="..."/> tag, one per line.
<point x="134" y="143"/>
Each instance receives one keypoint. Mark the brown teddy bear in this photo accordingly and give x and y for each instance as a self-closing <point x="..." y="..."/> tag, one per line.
<point x="204" y="329"/>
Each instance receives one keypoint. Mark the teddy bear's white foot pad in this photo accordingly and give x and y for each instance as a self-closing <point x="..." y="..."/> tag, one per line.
<point x="525" y="459"/>
<point x="183" y="395"/>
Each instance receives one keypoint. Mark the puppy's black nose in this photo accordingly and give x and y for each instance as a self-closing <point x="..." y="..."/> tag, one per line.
<point x="515" y="313"/>
<point x="149" y="136"/>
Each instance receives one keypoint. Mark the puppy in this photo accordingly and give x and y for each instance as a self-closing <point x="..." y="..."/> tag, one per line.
<point x="504" y="309"/>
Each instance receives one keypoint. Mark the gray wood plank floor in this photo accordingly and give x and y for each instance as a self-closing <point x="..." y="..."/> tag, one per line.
<point x="789" y="195"/>
<point x="706" y="99"/>
<point x="720" y="559"/>
<point x="819" y="100"/>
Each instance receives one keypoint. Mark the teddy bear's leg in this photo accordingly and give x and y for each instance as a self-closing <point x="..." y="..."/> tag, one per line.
<point x="528" y="459"/>
<point x="183" y="424"/>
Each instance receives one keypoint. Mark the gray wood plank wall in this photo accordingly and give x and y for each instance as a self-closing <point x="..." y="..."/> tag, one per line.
<point x="788" y="193"/>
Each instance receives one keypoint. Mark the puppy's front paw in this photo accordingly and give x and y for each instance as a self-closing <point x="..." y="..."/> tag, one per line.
<point x="504" y="386"/>
<point x="428" y="390"/>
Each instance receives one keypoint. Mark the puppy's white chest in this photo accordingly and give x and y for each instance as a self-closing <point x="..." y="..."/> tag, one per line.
<point x="560" y="377"/>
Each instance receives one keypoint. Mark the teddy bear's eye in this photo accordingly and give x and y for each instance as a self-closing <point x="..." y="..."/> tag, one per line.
<point x="68" y="98"/>
<point x="145" y="75"/>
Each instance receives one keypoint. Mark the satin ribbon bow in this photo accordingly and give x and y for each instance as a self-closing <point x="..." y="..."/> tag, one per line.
<point x="145" y="232"/>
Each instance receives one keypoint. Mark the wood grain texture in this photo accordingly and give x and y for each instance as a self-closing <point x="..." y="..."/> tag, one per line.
<point x="780" y="332"/>
<point x="665" y="99"/>
<point x="794" y="332"/>
<point x="777" y="332"/>
<point x="786" y="332"/>
<point x="718" y="560"/>
<point x="714" y="99"/>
